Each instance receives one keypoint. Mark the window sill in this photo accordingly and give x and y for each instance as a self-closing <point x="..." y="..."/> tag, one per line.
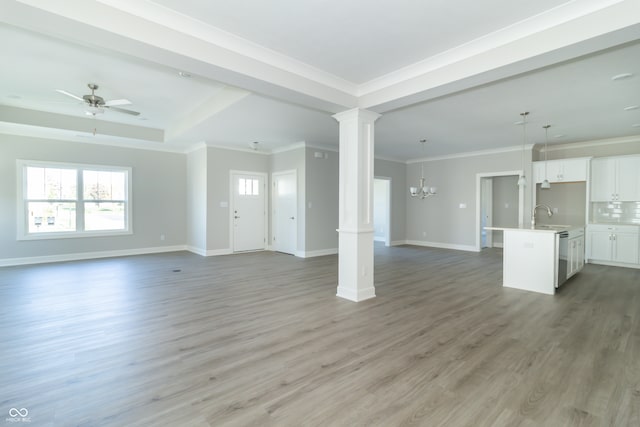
<point x="73" y="235"/>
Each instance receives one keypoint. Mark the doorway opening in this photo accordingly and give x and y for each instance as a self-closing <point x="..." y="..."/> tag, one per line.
<point x="382" y="210"/>
<point x="499" y="202"/>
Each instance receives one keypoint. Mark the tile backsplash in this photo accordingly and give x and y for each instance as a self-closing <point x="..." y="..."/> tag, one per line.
<point x="615" y="212"/>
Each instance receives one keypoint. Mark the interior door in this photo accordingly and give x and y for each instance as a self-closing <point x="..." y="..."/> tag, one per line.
<point x="248" y="213"/>
<point x="285" y="212"/>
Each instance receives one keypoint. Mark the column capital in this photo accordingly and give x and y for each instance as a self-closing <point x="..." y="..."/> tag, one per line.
<point x="357" y="113"/>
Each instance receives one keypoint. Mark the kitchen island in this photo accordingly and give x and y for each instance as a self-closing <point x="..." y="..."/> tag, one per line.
<point x="534" y="258"/>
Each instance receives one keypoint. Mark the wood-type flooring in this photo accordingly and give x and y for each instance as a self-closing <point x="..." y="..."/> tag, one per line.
<point x="260" y="339"/>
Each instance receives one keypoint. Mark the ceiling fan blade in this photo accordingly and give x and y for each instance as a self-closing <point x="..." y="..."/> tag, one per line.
<point x="122" y="110"/>
<point x="64" y="92"/>
<point x="116" y="102"/>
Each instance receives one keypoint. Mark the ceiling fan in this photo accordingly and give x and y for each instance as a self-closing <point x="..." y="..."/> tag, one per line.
<point x="96" y="104"/>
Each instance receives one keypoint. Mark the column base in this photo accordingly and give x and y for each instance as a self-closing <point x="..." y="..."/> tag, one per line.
<point x="356" y="296"/>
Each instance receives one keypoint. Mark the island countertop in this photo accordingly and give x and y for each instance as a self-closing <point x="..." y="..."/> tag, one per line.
<point x="541" y="228"/>
<point x="531" y="256"/>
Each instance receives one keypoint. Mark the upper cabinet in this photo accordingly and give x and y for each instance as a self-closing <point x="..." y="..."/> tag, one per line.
<point x="564" y="170"/>
<point x="615" y="179"/>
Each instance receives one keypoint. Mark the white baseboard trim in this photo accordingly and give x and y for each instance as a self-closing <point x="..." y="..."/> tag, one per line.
<point x="498" y="245"/>
<point x="197" y="251"/>
<point x="217" y="252"/>
<point x="399" y="242"/>
<point x="320" y="252"/>
<point x="379" y="239"/>
<point x="7" y="262"/>
<point x="612" y="263"/>
<point x="468" y="248"/>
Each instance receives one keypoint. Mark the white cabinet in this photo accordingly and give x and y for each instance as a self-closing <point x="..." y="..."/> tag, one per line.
<point x="565" y="170"/>
<point x="613" y="243"/>
<point x="575" y="256"/>
<point x="615" y="179"/>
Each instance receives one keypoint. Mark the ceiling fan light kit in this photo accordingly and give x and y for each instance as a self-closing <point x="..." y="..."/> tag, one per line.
<point x="97" y="105"/>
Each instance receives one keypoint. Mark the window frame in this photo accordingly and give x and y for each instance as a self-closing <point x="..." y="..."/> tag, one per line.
<point x="22" y="201"/>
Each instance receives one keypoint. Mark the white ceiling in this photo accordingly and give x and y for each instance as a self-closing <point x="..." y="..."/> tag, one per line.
<point x="359" y="40"/>
<point x="456" y="73"/>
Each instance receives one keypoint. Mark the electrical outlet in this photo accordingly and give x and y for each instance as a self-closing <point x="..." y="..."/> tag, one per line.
<point x="162" y="237"/>
<point x="424" y="234"/>
<point x="555" y="210"/>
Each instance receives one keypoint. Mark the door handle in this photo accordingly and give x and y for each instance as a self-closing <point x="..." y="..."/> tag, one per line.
<point x="236" y="217"/>
<point x="292" y="217"/>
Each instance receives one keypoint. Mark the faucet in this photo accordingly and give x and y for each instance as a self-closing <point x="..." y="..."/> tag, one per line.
<point x="533" y="214"/>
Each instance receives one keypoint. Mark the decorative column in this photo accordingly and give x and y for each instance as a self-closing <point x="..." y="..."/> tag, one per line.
<point x="355" y="235"/>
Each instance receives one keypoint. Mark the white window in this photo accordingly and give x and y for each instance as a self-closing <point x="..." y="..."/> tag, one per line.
<point x="71" y="200"/>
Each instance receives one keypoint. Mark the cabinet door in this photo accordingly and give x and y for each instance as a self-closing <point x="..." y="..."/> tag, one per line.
<point x="600" y="245"/>
<point x="574" y="170"/>
<point x="538" y="172"/>
<point x="626" y="248"/>
<point x="602" y="179"/>
<point x="580" y="253"/>
<point x="628" y="175"/>
<point x="572" y="258"/>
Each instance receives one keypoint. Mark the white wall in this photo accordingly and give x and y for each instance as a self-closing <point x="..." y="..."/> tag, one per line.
<point x="158" y="198"/>
<point x="321" y="202"/>
<point x="220" y="162"/>
<point x="441" y="219"/>
<point x="197" y="201"/>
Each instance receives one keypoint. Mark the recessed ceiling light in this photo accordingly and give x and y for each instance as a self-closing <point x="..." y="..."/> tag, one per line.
<point x="621" y="76"/>
<point x="184" y="74"/>
<point x="631" y="107"/>
<point x="560" y="135"/>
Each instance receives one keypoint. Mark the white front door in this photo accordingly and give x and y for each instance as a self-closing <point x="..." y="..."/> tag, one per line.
<point x="285" y="208"/>
<point x="248" y="211"/>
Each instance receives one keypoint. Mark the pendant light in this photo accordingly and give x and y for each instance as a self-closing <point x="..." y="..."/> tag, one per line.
<point x="545" y="184"/>
<point x="422" y="191"/>
<point x="522" y="181"/>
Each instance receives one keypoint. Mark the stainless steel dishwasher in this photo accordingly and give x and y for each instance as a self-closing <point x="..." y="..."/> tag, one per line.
<point x="563" y="255"/>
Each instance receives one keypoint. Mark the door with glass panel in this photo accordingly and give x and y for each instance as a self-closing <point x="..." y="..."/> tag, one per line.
<point x="248" y="211"/>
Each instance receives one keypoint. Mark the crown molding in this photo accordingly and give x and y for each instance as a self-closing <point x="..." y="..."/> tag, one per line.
<point x="528" y="147"/>
<point x="592" y="143"/>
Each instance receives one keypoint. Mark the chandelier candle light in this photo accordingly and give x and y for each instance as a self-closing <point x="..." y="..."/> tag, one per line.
<point x="422" y="191"/>
<point x="522" y="181"/>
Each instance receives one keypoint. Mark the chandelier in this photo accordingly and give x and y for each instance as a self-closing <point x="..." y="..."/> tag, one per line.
<point x="422" y="191"/>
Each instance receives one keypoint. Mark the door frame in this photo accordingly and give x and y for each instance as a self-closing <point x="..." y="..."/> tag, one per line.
<point x="479" y="177"/>
<point x="274" y="175"/>
<point x="387" y="235"/>
<point x="486" y="197"/>
<point x="264" y="176"/>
